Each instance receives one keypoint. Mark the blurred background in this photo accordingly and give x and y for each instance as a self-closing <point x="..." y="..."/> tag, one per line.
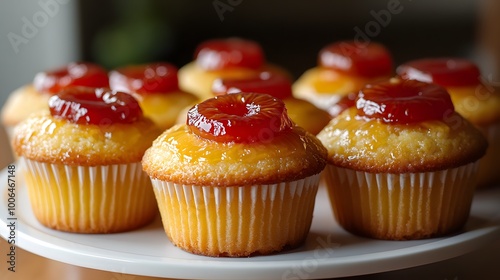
<point x="43" y="34"/>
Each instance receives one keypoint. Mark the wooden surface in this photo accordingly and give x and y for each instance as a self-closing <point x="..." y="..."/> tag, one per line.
<point x="33" y="267"/>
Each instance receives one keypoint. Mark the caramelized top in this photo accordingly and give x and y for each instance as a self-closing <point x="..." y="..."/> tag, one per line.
<point x="182" y="157"/>
<point x="149" y="78"/>
<point x="371" y="145"/>
<point x="404" y="101"/>
<point x="74" y="74"/>
<point x="82" y="105"/>
<point x="356" y="58"/>
<point x="239" y="117"/>
<point x="275" y="84"/>
<point x="229" y="53"/>
<point x="474" y="98"/>
<point x="446" y="72"/>
<point x="47" y="139"/>
<point x="347" y="101"/>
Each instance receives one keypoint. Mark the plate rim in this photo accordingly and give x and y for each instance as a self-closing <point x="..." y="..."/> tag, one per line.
<point x="41" y="243"/>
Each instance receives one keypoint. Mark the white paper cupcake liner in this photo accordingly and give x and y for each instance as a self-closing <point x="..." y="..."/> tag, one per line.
<point x="237" y="221"/>
<point x="99" y="199"/>
<point x="401" y="206"/>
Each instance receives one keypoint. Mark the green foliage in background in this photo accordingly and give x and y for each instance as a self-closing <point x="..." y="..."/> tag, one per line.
<point x="140" y="34"/>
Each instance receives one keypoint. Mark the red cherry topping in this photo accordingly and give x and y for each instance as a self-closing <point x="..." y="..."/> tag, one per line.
<point x="446" y="72"/>
<point x="83" y="105"/>
<point x="359" y="59"/>
<point x="346" y="102"/>
<point x="229" y="53"/>
<point x="143" y="79"/>
<point x="73" y="74"/>
<point x="404" y="101"/>
<point x="239" y="117"/>
<point x="276" y="85"/>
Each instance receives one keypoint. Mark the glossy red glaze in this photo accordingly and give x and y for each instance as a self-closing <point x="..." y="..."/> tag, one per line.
<point x="347" y="101"/>
<point x="146" y="78"/>
<point x="273" y="84"/>
<point x="83" y="105"/>
<point x="222" y="54"/>
<point x="447" y="72"/>
<point x="404" y="101"/>
<point x="73" y="74"/>
<point x="239" y="117"/>
<point x="360" y="59"/>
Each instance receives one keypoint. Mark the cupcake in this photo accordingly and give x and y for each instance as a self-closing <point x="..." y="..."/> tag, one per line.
<point x="223" y="58"/>
<point x="33" y="97"/>
<point x="302" y="112"/>
<point x="343" y="67"/>
<point x="402" y="163"/>
<point x="473" y="98"/>
<point x="156" y="87"/>
<point x="82" y="162"/>
<point x="237" y="179"/>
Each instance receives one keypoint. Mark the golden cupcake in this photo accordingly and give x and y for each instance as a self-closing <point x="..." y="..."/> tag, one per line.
<point x="156" y="87"/>
<point x="302" y="112"/>
<point x="343" y="67"/>
<point x="238" y="179"/>
<point x="33" y="97"/>
<point x="82" y="162"/>
<point x="473" y="98"/>
<point x="232" y="58"/>
<point x="402" y="163"/>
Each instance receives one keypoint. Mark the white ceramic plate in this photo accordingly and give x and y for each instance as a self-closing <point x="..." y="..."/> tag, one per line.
<point x="328" y="252"/>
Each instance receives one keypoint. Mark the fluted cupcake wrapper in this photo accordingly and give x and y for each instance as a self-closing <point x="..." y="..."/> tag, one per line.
<point x="237" y="221"/>
<point x="401" y="206"/>
<point x="99" y="199"/>
<point x="488" y="174"/>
